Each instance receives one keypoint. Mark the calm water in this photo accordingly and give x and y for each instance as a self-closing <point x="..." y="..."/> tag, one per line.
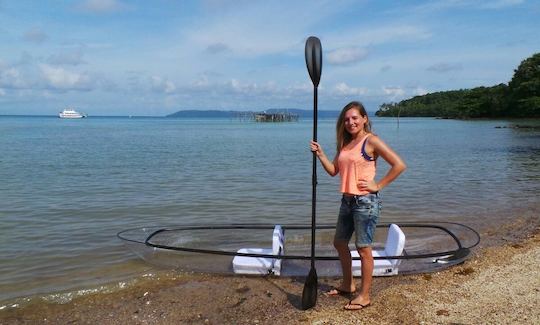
<point x="68" y="186"/>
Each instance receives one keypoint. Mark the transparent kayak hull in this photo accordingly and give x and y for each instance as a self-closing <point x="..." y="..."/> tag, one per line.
<point x="429" y="247"/>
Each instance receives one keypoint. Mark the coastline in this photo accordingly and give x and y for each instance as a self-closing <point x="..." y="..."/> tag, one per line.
<point x="500" y="283"/>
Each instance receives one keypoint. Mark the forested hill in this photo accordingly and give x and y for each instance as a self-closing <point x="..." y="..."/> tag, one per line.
<point x="232" y="114"/>
<point x="519" y="98"/>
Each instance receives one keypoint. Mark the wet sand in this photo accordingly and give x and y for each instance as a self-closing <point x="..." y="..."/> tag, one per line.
<point x="500" y="284"/>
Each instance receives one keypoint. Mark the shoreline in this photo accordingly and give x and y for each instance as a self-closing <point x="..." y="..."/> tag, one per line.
<point x="498" y="284"/>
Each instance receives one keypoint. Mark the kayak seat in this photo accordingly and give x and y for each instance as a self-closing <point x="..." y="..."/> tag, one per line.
<point x="395" y="244"/>
<point x="261" y="265"/>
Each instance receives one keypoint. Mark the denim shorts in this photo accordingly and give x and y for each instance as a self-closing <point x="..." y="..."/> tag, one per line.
<point x="359" y="214"/>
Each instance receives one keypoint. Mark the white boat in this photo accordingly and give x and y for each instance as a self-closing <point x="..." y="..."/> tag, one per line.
<point x="70" y="113"/>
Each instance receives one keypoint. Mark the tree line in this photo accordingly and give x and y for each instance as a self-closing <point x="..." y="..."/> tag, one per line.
<point x="519" y="98"/>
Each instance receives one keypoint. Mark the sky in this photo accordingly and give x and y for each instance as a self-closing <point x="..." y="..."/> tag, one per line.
<point x="153" y="58"/>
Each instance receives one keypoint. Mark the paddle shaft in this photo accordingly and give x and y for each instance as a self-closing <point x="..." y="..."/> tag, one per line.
<point x="313" y="53"/>
<point x="314" y="180"/>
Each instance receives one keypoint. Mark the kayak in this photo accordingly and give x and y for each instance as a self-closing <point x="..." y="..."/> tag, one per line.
<point x="284" y="250"/>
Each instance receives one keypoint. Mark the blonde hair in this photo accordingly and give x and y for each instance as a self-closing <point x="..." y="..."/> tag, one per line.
<point x="342" y="136"/>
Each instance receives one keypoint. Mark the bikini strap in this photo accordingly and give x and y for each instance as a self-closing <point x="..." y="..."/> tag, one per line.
<point x="363" y="151"/>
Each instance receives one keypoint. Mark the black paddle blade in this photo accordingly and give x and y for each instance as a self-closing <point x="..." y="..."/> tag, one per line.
<point x="309" y="295"/>
<point x="314" y="59"/>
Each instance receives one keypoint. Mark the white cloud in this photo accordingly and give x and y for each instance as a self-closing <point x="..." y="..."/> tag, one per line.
<point x="12" y="78"/>
<point x="398" y="33"/>
<point x="35" y="35"/>
<point x="201" y="83"/>
<point x="445" y="67"/>
<point x="101" y="6"/>
<point x="345" y="56"/>
<point x="373" y="35"/>
<point x="500" y="4"/>
<point x="2" y="92"/>
<point x="394" y="93"/>
<point x="397" y="93"/>
<point x="236" y="86"/>
<point x="245" y="89"/>
<point x="301" y="88"/>
<point x="61" y="79"/>
<point x="217" y="47"/>
<point x="162" y="85"/>
<point x="251" y="28"/>
<point x="250" y="89"/>
<point x="248" y="52"/>
<point x="442" y="5"/>
<point x="68" y="58"/>
<point x="386" y="67"/>
<point x="343" y="89"/>
<point x="419" y="91"/>
<point x="467" y="4"/>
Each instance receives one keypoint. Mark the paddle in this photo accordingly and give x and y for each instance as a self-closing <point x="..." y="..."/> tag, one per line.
<point x="314" y="66"/>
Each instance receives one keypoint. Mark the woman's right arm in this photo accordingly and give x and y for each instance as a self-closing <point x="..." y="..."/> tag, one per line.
<point x="330" y="166"/>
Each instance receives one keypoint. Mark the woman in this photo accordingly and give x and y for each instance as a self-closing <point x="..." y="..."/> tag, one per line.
<point x="355" y="161"/>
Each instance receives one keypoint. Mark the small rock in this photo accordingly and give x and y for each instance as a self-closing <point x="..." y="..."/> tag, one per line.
<point x="465" y="271"/>
<point x="240" y="302"/>
<point x="443" y="312"/>
<point x="243" y="289"/>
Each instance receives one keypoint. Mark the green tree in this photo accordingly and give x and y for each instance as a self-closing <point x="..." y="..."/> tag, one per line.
<point x="520" y="98"/>
<point x="524" y="99"/>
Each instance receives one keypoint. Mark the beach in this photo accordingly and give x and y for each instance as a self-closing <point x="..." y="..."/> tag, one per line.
<point x="499" y="284"/>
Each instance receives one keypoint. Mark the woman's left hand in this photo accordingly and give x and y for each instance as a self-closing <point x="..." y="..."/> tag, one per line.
<point x="370" y="186"/>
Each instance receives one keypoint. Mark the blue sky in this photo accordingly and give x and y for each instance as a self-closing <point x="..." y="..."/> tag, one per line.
<point x="119" y="57"/>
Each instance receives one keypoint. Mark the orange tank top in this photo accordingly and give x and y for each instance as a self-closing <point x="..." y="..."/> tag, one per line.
<point x="354" y="165"/>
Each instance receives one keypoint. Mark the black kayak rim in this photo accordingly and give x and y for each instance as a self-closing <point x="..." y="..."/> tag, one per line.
<point x="460" y="251"/>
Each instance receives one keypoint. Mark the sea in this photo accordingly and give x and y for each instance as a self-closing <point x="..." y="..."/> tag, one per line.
<point x="67" y="187"/>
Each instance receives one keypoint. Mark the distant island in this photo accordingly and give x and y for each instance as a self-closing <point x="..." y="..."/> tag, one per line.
<point x="519" y="98"/>
<point x="238" y="114"/>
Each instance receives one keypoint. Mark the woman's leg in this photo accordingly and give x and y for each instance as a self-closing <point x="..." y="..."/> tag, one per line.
<point x="347" y="284"/>
<point x="366" y="214"/>
<point x="366" y="257"/>
<point x="344" y="231"/>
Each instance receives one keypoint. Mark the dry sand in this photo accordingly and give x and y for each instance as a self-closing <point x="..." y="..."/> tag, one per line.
<point x="499" y="285"/>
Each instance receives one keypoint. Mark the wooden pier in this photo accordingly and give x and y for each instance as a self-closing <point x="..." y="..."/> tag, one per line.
<point x="267" y="117"/>
<point x="276" y="117"/>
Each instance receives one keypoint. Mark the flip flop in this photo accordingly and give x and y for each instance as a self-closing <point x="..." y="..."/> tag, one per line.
<point x="358" y="306"/>
<point x="338" y="292"/>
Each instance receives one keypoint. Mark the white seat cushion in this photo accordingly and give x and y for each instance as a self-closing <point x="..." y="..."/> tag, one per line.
<point x="395" y="243"/>
<point x="253" y="265"/>
<point x="262" y="265"/>
<point x="380" y="267"/>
